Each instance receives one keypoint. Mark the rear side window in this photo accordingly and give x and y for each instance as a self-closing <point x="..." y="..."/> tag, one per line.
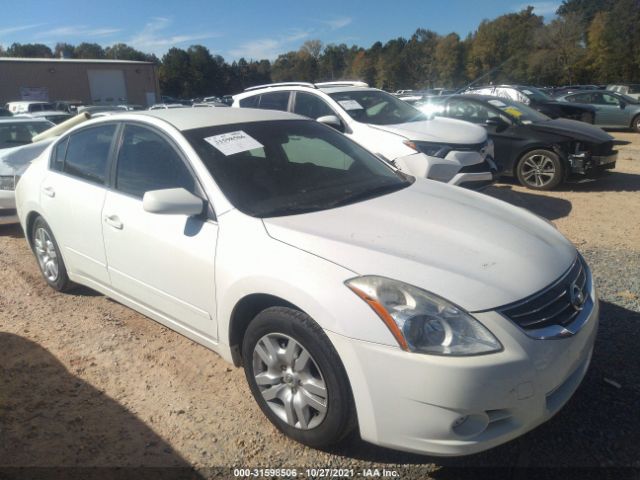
<point x="274" y="101"/>
<point x="250" y="102"/>
<point x="147" y="161"/>
<point x="87" y="153"/>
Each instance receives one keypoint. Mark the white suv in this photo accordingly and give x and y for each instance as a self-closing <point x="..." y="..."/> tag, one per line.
<point x="447" y="150"/>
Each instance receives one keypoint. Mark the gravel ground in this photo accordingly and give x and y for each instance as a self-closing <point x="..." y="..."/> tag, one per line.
<point x="86" y="382"/>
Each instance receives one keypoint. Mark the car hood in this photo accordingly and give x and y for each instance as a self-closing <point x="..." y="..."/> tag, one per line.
<point x="474" y="250"/>
<point x="584" y="132"/>
<point x="439" y="130"/>
<point x="15" y="160"/>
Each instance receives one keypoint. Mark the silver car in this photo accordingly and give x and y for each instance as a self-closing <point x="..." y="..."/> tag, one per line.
<point x="613" y="110"/>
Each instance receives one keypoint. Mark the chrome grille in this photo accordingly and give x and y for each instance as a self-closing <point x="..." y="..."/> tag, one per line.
<point x="553" y="305"/>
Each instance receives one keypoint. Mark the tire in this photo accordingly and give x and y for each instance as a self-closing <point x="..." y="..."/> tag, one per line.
<point x="47" y="252"/>
<point x="635" y="123"/>
<point x="540" y="170"/>
<point x="311" y="401"/>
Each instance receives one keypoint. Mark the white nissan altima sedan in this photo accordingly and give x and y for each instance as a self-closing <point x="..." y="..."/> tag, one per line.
<point x="433" y="319"/>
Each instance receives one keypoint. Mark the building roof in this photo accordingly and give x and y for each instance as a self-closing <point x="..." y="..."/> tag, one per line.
<point x="69" y="60"/>
<point x="190" y="118"/>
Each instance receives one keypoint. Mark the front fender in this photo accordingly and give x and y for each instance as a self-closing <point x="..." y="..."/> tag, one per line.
<point x="249" y="261"/>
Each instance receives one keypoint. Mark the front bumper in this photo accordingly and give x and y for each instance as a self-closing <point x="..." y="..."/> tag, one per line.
<point x="584" y="163"/>
<point x="451" y="406"/>
<point x="8" y="207"/>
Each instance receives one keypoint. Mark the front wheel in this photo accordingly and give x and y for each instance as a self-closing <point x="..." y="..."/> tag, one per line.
<point x="636" y="123"/>
<point x="540" y="170"/>
<point x="297" y="378"/>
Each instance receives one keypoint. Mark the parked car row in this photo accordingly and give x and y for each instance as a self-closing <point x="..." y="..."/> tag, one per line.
<point x="430" y="318"/>
<point x="539" y="151"/>
<point x="440" y="149"/>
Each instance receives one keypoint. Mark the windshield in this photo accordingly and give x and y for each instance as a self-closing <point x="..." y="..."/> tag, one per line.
<point x="535" y="94"/>
<point x="376" y="107"/>
<point x="276" y="168"/>
<point x="628" y="99"/>
<point x="20" y="133"/>
<point x="518" y="111"/>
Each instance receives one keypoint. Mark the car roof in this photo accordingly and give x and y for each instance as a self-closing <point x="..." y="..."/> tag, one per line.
<point x="190" y="118"/>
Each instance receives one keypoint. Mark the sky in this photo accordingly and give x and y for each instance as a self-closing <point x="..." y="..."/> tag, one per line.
<point x="252" y="29"/>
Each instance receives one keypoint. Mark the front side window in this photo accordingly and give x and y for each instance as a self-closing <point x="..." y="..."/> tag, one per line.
<point x="311" y="106"/>
<point x="146" y="161"/>
<point x="88" y="152"/>
<point x="470" y="111"/>
<point x="269" y="169"/>
<point x="376" y="107"/>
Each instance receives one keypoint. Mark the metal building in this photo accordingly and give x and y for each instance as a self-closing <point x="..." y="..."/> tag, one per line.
<point x="97" y="82"/>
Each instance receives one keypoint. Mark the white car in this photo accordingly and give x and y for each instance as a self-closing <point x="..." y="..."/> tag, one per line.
<point x="433" y="319"/>
<point x="16" y="151"/>
<point x="442" y="149"/>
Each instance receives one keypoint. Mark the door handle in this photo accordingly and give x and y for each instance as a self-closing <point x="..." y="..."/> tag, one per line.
<point x="114" y="221"/>
<point x="49" y="192"/>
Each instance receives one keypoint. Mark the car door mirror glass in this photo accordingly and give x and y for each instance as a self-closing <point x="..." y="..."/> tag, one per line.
<point x="332" y="121"/>
<point x="172" y="201"/>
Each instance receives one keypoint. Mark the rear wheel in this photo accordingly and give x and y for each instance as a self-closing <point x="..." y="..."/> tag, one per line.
<point x="48" y="255"/>
<point x="297" y="378"/>
<point x="540" y="170"/>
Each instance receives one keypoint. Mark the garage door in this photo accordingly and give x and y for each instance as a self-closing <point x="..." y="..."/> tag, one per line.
<point x="107" y="87"/>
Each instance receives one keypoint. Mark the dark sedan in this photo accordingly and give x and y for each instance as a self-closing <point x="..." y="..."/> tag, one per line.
<point x="539" y="151"/>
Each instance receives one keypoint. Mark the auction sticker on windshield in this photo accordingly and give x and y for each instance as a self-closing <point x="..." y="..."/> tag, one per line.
<point x="233" y="142"/>
<point x="350" y="105"/>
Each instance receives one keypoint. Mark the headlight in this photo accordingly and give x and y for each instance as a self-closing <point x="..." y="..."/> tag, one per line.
<point x="432" y="149"/>
<point x="8" y="182"/>
<point x="421" y="321"/>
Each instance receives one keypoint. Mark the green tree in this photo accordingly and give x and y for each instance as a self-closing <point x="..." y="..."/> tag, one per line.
<point x="448" y="58"/>
<point x="89" y="51"/>
<point x="29" y="50"/>
<point x="174" y="73"/>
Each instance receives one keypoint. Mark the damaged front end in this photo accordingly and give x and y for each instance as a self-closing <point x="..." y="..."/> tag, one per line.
<point x="591" y="159"/>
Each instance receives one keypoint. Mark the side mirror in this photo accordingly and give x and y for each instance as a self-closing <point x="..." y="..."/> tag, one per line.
<point x="332" y="121"/>
<point x="623" y="105"/>
<point x="497" y="122"/>
<point x="172" y="201"/>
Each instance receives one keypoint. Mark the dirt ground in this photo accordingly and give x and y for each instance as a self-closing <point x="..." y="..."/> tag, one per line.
<point x="87" y="382"/>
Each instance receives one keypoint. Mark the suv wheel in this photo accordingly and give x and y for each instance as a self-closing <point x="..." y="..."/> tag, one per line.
<point x="297" y="378"/>
<point x="540" y="170"/>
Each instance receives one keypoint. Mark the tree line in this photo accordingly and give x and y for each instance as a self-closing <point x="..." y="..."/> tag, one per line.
<point x="589" y="41"/>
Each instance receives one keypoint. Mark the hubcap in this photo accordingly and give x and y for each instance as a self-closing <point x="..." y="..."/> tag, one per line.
<point x="46" y="253"/>
<point x="538" y="170"/>
<point x="290" y="381"/>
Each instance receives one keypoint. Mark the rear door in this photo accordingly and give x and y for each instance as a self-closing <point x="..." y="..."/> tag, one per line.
<point x="72" y="196"/>
<point x="164" y="262"/>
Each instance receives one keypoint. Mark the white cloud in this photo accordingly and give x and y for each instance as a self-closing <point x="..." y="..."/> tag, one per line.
<point x="79" y="31"/>
<point x="541" y="8"/>
<point x="19" y="28"/>
<point x="153" y="37"/>
<point x="268" y="48"/>
<point x="337" y="23"/>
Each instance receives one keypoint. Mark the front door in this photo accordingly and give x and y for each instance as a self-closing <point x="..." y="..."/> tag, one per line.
<point x="163" y="262"/>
